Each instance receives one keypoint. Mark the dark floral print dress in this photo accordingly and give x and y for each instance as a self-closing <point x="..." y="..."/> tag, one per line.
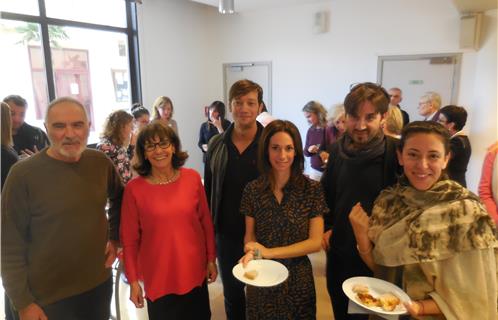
<point x="120" y="156"/>
<point x="283" y="224"/>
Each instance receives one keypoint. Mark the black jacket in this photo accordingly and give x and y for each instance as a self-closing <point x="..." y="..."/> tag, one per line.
<point x="349" y="181"/>
<point x="27" y="137"/>
<point x="460" y="156"/>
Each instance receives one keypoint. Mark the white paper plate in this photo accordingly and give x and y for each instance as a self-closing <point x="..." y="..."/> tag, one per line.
<point x="270" y="273"/>
<point x="376" y="288"/>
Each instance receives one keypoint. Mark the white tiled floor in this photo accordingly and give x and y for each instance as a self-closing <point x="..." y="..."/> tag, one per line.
<point x="129" y="312"/>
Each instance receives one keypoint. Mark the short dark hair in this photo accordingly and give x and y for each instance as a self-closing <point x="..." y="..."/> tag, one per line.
<point x="243" y="87"/>
<point x="367" y="91"/>
<point x="147" y="135"/>
<point x="455" y="114"/>
<point x="427" y="127"/>
<point x="16" y="99"/>
<point x="264" y="164"/>
<point x="138" y="110"/>
<point x="219" y="107"/>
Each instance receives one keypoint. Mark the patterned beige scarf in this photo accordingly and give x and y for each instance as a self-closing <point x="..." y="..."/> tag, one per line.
<point x="411" y="226"/>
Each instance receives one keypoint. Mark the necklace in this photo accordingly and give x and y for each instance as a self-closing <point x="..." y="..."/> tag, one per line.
<point x="166" y="180"/>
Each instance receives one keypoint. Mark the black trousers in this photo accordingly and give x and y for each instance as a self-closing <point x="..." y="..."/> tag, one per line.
<point x="93" y="304"/>
<point x="340" y="268"/>
<point x="193" y="305"/>
<point x="229" y="252"/>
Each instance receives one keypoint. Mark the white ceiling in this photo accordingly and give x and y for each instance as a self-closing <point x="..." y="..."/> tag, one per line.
<point x="250" y="5"/>
<point x="463" y="6"/>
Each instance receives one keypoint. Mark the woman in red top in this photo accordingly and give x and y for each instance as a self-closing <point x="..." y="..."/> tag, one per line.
<point x="166" y="230"/>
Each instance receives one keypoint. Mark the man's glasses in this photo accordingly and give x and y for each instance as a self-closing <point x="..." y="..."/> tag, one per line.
<point x="164" y="144"/>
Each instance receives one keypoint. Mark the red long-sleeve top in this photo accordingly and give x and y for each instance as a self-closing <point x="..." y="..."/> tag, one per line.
<point x="168" y="232"/>
<point x="486" y="183"/>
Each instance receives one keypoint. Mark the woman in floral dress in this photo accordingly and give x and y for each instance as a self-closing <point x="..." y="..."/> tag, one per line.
<point x="283" y="210"/>
<point x="115" y="142"/>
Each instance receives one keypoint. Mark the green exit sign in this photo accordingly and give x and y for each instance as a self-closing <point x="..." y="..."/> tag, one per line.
<point x="416" y="82"/>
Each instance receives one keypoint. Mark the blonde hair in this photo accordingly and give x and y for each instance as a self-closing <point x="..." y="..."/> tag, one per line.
<point x="114" y="125"/>
<point x="160" y="102"/>
<point x="336" y="112"/>
<point x="6" y="125"/>
<point x="393" y="120"/>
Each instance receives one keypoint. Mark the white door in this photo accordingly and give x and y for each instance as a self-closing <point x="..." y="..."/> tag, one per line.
<point x="259" y="72"/>
<point x="417" y="74"/>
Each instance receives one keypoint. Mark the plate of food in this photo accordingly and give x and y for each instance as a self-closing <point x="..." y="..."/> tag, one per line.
<point x="261" y="273"/>
<point x="376" y="295"/>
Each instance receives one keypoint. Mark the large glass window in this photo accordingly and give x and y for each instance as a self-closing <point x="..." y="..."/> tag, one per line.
<point x="20" y="6"/>
<point x="106" y="12"/>
<point x="88" y="58"/>
<point x="27" y="76"/>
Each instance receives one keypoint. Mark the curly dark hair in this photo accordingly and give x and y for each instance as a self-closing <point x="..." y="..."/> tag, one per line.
<point x="427" y="127"/>
<point x="114" y="125"/>
<point x="148" y="134"/>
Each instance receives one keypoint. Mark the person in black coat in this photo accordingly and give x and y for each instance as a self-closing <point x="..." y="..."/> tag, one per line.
<point x="454" y="119"/>
<point x="215" y="124"/>
<point x="9" y="158"/>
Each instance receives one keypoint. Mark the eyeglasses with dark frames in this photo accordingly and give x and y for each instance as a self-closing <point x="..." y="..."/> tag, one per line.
<point x="163" y="144"/>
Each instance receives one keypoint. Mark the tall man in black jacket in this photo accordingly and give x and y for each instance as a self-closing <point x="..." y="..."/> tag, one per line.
<point x="230" y="165"/>
<point x="361" y="164"/>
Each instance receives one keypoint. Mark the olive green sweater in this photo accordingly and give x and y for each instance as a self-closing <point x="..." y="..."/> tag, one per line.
<point x="54" y="226"/>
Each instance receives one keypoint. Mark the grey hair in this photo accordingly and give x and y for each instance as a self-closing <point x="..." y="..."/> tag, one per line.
<point x="434" y="98"/>
<point x="57" y="101"/>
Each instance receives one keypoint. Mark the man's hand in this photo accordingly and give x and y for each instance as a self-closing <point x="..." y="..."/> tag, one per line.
<point x="111" y="251"/>
<point x="32" y="312"/>
<point x="326" y="240"/>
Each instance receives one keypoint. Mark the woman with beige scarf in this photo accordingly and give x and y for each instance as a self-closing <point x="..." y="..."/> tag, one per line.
<point x="430" y="235"/>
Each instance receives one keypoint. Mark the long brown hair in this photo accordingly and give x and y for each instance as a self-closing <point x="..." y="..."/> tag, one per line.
<point x="6" y="125"/>
<point x="264" y="164"/>
<point x="160" y="102"/>
<point x="114" y="125"/>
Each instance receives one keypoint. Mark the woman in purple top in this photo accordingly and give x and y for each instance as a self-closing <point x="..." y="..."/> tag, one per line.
<point x="315" y="138"/>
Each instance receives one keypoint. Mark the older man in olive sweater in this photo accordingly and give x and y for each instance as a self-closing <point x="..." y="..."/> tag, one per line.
<point x="57" y="247"/>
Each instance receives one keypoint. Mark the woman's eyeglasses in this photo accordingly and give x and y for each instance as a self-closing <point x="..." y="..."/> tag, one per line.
<point x="152" y="146"/>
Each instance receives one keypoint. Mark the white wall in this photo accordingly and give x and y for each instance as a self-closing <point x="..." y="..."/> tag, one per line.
<point x="319" y="67"/>
<point x="177" y="46"/>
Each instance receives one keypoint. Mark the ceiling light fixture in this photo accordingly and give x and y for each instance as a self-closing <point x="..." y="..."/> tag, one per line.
<point x="226" y="7"/>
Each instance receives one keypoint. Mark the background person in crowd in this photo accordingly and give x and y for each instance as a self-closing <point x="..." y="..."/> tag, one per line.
<point x="334" y="130"/>
<point x="215" y="124"/>
<point x="57" y="246"/>
<point x="488" y="185"/>
<point x="166" y="230"/>
<point x="284" y="222"/>
<point x="27" y="139"/>
<point x="141" y="118"/>
<point x="433" y="230"/>
<point x="396" y="96"/>
<point x="393" y="122"/>
<point x="115" y="142"/>
<point x="428" y="106"/>
<point x="163" y="111"/>
<point x="316" y="115"/>
<point x="364" y="163"/>
<point x="9" y="157"/>
<point x="230" y="165"/>
<point x="454" y="118"/>
<point x="264" y="117"/>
